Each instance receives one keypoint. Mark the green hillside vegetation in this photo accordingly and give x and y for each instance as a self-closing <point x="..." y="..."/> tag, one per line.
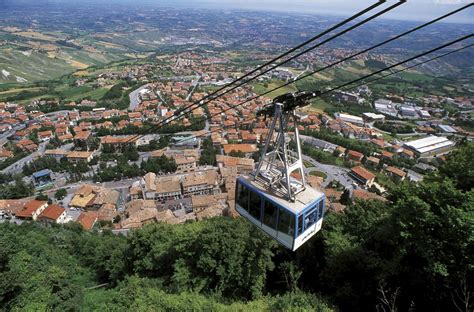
<point x="413" y="252"/>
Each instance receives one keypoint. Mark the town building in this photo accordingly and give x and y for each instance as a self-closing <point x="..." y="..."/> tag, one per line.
<point x="119" y="142"/>
<point x="354" y="156"/>
<point x="396" y="173"/>
<point x="243" y="165"/>
<point x="201" y="183"/>
<point x="349" y="118"/>
<point x="78" y="156"/>
<point x="362" y="175"/>
<point x="88" y="219"/>
<point x="31" y="210"/>
<point x="57" y="154"/>
<point x="42" y="177"/>
<point x="53" y="214"/>
<point x="247" y="149"/>
<point x="91" y="197"/>
<point x="371" y="117"/>
<point x="168" y="188"/>
<point x="430" y="146"/>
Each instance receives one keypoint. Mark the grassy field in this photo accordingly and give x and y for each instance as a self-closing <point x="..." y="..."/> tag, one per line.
<point x="261" y="88"/>
<point x="318" y="106"/>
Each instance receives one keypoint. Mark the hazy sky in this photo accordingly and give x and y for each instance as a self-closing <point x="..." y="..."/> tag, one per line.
<point x="412" y="10"/>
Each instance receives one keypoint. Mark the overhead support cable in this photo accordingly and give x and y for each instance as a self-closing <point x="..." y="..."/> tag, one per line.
<point x="358" y="53"/>
<point x="373" y="80"/>
<point x="409" y="67"/>
<point x="159" y="126"/>
<point x="364" y="77"/>
<point x="355" y="54"/>
<point x="211" y="97"/>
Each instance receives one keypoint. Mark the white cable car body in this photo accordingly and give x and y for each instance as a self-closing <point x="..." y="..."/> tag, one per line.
<point x="281" y="205"/>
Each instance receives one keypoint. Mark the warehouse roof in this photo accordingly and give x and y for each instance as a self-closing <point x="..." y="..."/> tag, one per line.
<point x="429" y="143"/>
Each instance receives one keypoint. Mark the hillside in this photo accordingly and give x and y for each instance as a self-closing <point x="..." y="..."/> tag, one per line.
<point x="413" y="251"/>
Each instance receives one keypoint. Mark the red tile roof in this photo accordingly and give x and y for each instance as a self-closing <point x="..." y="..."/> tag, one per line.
<point x="396" y="171"/>
<point x="52" y="212"/>
<point x="30" y="208"/>
<point x="88" y="219"/>
<point x="245" y="148"/>
<point x="363" y="173"/>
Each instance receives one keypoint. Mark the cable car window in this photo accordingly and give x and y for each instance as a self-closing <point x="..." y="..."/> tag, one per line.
<point x="310" y="218"/>
<point x="270" y="215"/>
<point x="255" y="204"/>
<point x="286" y="223"/>
<point x="321" y="208"/>
<point x="300" y="225"/>
<point x="242" y="196"/>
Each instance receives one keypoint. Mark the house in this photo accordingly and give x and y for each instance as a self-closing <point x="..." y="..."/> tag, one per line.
<point x="5" y="154"/>
<point x="27" y="145"/>
<point x="405" y="153"/>
<point x="66" y="137"/>
<point x="373" y="162"/>
<point x="366" y="195"/>
<point x="200" y="183"/>
<point x="243" y="165"/>
<point x="78" y="156"/>
<point x="88" y="219"/>
<point x="138" y="213"/>
<point x="148" y="185"/>
<point x="168" y="188"/>
<point x="185" y="163"/>
<point x="247" y="149"/>
<point x="396" y="173"/>
<point x="53" y="214"/>
<point x="57" y="154"/>
<point x="45" y="135"/>
<point x="118" y="143"/>
<point x="362" y="175"/>
<point x="92" y="197"/>
<point x="387" y="155"/>
<point x="31" y="210"/>
<point x="82" y="140"/>
<point x="107" y="212"/>
<point x="354" y="156"/>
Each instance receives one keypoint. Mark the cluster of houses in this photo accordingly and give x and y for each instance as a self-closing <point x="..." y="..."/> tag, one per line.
<point x="35" y="210"/>
<point x="187" y="196"/>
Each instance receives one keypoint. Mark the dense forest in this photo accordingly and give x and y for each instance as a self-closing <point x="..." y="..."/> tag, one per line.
<point x="410" y="253"/>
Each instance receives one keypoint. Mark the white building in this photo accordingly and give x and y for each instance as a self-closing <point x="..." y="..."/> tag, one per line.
<point x="386" y="107"/>
<point x="408" y="111"/>
<point x="373" y="117"/>
<point x="447" y="129"/>
<point x="430" y="146"/>
<point x="350" y="118"/>
<point x="424" y="114"/>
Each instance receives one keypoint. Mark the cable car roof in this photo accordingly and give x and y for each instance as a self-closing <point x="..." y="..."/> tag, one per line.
<point x="303" y="199"/>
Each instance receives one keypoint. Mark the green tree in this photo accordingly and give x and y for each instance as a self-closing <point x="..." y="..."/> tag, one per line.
<point x="60" y="194"/>
<point x="460" y="167"/>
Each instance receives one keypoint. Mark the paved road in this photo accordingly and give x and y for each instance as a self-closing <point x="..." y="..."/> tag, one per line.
<point x="317" y="142"/>
<point x="333" y="173"/>
<point x="135" y="97"/>
<point x="18" y="166"/>
<point x="4" y="136"/>
<point x="195" y="84"/>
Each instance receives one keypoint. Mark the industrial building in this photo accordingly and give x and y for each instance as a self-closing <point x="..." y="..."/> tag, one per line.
<point x="430" y="146"/>
<point x="350" y="118"/>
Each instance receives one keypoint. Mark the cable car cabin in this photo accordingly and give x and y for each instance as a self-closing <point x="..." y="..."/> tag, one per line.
<point x="290" y="223"/>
